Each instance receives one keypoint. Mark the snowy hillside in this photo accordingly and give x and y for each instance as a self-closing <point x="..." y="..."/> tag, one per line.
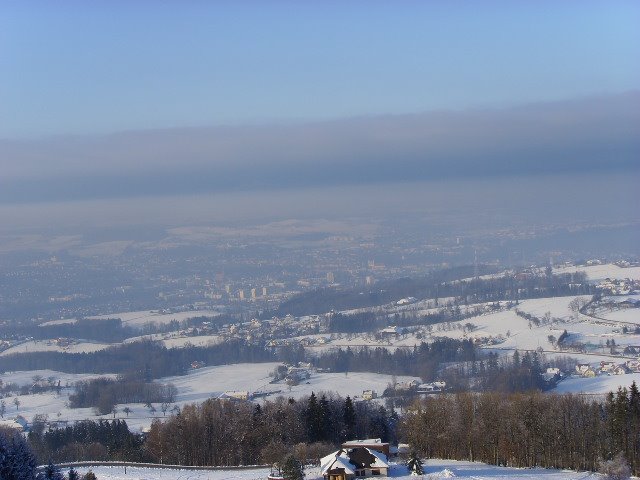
<point x="195" y="387"/>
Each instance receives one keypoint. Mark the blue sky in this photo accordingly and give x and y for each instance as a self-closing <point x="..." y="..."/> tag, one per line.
<point x="99" y="67"/>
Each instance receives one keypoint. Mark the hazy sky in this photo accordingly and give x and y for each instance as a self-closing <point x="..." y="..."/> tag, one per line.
<point x="104" y="101"/>
<point x="74" y="67"/>
<point x="593" y="135"/>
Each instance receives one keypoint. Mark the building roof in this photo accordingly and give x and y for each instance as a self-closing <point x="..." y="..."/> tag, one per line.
<point x="337" y="459"/>
<point x="365" y="442"/>
<point x="340" y="459"/>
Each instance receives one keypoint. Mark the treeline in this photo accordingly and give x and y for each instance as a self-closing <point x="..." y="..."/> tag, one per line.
<point x="491" y="373"/>
<point x="355" y="322"/>
<point x="16" y="459"/>
<point x="370" y="321"/>
<point x="325" y="299"/>
<point x="424" y="361"/>
<point x="442" y="284"/>
<point x="222" y="433"/>
<point x="109" y="330"/>
<point x="106" y="330"/>
<point x="527" y="430"/>
<point x="104" y="393"/>
<point x="86" y="440"/>
<point x="238" y="433"/>
<point x="150" y="359"/>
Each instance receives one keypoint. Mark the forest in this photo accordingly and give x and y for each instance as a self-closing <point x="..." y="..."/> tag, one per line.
<point x="105" y="393"/>
<point x="423" y="361"/>
<point x="456" y="282"/>
<point x="152" y="359"/>
<point x="528" y="429"/>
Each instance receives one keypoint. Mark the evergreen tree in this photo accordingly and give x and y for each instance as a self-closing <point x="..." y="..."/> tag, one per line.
<point x="51" y="472"/>
<point x="634" y="414"/>
<point x="414" y="464"/>
<point x="16" y="460"/>
<point x="292" y="468"/>
<point x="313" y="419"/>
<point x="349" y="418"/>
<point x="324" y="418"/>
<point x="73" y="475"/>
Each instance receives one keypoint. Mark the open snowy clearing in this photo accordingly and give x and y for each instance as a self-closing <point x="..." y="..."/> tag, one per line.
<point x="627" y="315"/>
<point x="598" y="385"/>
<point x="600" y="272"/>
<point x="433" y="469"/>
<point x="66" y="379"/>
<point x="195" y="387"/>
<point x="557" y="307"/>
<point x="510" y="331"/>
<point x="206" y="382"/>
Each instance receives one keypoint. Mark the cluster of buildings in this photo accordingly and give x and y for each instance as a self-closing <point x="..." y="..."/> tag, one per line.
<point x="275" y="332"/>
<point x="297" y="374"/>
<point x="415" y="386"/>
<point x="608" y="368"/>
<point x="625" y="286"/>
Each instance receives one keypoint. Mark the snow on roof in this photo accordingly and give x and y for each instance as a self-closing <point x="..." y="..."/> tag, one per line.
<point x="11" y="424"/>
<point x="381" y="459"/>
<point x="340" y="459"/>
<point x="366" y="441"/>
<point x="336" y="459"/>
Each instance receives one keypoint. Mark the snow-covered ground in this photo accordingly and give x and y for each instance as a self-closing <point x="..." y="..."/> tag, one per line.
<point x="66" y="379"/>
<point x="513" y="331"/>
<point x="600" y="384"/>
<point x="627" y="315"/>
<point x="600" y="272"/>
<point x="203" y="383"/>
<point x="195" y="387"/>
<point x="433" y="470"/>
<point x="517" y="331"/>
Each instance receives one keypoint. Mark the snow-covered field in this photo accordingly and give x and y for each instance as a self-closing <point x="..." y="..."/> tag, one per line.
<point x="628" y="315"/>
<point x="66" y="379"/>
<point x="203" y="383"/>
<point x="513" y="332"/>
<point x="196" y="387"/>
<point x="433" y="470"/>
<point x="600" y="272"/>
<point x="601" y="384"/>
<point x="209" y="382"/>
